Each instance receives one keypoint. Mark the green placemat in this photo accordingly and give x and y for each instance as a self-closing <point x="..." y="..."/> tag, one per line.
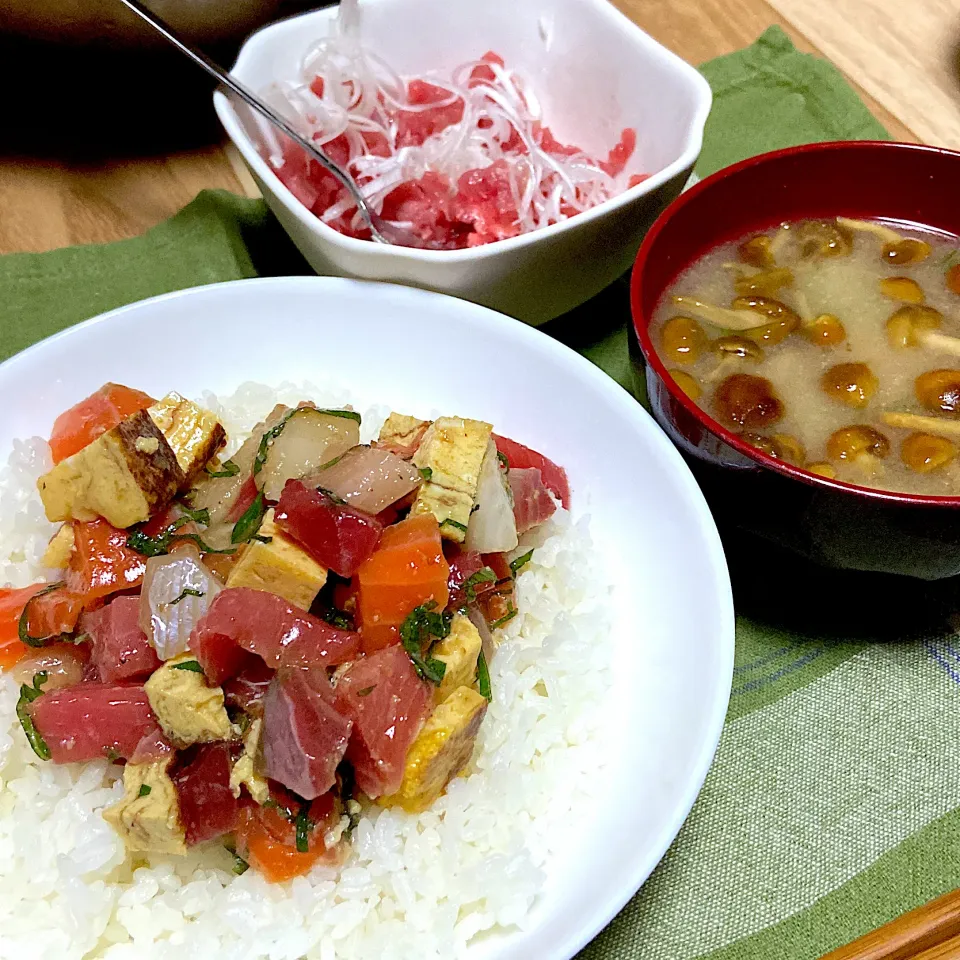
<point x="832" y="803"/>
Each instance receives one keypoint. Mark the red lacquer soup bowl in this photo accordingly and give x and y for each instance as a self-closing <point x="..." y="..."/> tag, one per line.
<point x="833" y="523"/>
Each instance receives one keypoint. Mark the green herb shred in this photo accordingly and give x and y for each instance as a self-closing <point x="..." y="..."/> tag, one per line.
<point x="454" y="523"/>
<point x="421" y="629"/>
<point x="192" y="665"/>
<point x="483" y="575"/>
<point x="23" y="625"/>
<point x="228" y="469"/>
<point x="27" y="696"/>
<point x="345" y="414"/>
<point x="339" y="619"/>
<point x="483" y="677"/>
<point x="520" y="562"/>
<point x="426" y="472"/>
<point x="248" y="525"/>
<point x="336" y="498"/>
<point x="187" y="592"/>
<point x="303" y="825"/>
<point x="264" y="449"/>
<point x="145" y="790"/>
<point x="260" y="539"/>
<point x="148" y="546"/>
<point x="505" y="618"/>
<point x="502" y="457"/>
<point x="240" y="866"/>
<point x="366" y="691"/>
<point x="197" y="516"/>
<point x="112" y="755"/>
<point x="951" y="259"/>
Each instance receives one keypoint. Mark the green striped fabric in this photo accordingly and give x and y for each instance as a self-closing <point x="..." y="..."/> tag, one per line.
<point x="831" y="806"/>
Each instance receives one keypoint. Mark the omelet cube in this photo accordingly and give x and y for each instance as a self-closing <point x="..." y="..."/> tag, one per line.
<point x="400" y="430"/>
<point x="442" y="749"/>
<point x="244" y="773"/>
<point x="124" y="476"/>
<point x="189" y="711"/>
<point x="60" y="548"/>
<point x="279" y="567"/>
<point x="148" y="816"/>
<point x="451" y="451"/>
<point x="459" y="650"/>
<point x="194" y="433"/>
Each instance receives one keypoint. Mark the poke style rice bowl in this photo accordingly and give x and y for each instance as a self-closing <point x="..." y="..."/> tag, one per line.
<point x="530" y="146"/>
<point x="331" y="663"/>
<point x="797" y="320"/>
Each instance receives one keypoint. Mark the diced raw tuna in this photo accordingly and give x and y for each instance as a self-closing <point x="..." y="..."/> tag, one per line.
<point x="247" y="689"/>
<point x="485" y="200"/>
<point x="241" y="622"/>
<point x="208" y="807"/>
<point x="520" y="457"/>
<point x="463" y="565"/>
<point x="414" y="126"/>
<point x="335" y="535"/>
<point x="304" y="736"/>
<point x="120" y="649"/>
<point x="152" y="747"/>
<point x="388" y="703"/>
<point x="532" y="503"/>
<point x="93" y="720"/>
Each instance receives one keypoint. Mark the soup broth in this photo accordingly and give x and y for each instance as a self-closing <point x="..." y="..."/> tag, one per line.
<point x="834" y="345"/>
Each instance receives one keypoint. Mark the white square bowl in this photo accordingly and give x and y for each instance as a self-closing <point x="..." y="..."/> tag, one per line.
<point x="595" y="73"/>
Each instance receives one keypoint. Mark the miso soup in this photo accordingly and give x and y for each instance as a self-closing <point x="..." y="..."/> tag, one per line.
<point x="831" y="344"/>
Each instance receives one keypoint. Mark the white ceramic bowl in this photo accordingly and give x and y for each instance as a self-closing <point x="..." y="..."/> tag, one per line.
<point x="595" y="72"/>
<point x="673" y="613"/>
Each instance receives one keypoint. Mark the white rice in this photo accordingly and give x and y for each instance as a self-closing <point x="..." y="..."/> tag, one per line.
<point x="416" y="886"/>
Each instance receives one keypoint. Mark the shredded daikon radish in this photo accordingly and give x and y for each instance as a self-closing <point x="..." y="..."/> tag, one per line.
<point x="475" y="145"/>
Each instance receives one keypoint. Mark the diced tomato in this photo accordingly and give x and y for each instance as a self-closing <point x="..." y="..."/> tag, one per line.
<point x="208" y="807"/>
<point x="304" y="736"/>
<point x="485" y="201"/>
<point x="245" y="497"/>
<point x="12" y="603"/>
<point x="92" y="720"/>
<point x="522" y="457"/>
<point x="317" y="86"/>
<point x="242" y="622"/>
<point x="266" y="837"/>
<point x="463" y="565"/>
<point x="247" y="689"/>
<point x="532" y="503"/>
<point x="388" y="703"/>
<point x="335" y="535"/>
<point x="101" y="411"/>
<point x="121" y="650"/>
<point x="620" y="153"/>
<point x="414" y="126"/>
<point x="101" y="562"/>
<point x="407" y="570"/>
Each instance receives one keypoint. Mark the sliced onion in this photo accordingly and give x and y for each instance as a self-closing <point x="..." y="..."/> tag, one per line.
<point x="218" y="494"/>
<point x="63" y="664"/>
<point x="368" y="478"/>
<point x="177" y="591"/>
<point x="309" y="439"/>
<point x="492" y="527"/>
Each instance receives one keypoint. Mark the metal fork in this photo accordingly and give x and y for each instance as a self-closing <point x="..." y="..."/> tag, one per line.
<point x="380" y="229"/>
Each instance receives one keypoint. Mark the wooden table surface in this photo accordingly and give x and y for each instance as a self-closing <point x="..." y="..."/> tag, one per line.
<point x="61" y="181"/>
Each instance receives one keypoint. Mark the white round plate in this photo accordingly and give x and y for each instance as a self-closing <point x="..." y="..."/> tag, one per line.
<point x="673" y="616"/>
